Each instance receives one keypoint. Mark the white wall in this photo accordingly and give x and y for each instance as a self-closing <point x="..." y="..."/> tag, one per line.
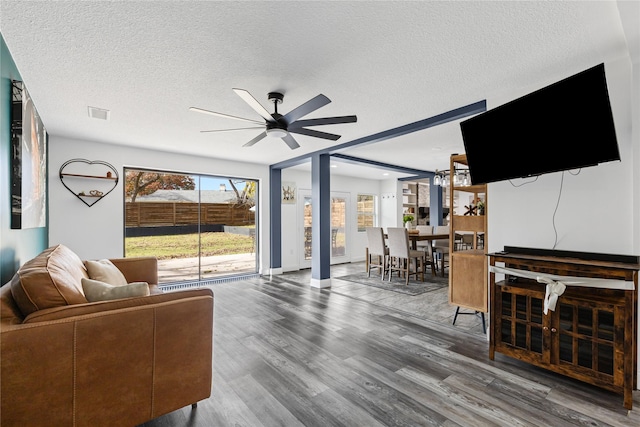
<point x="98" y="231"/>
<point x="292" y="242"/>
<point x="598" y="206"/>
<point x="390" y="203"/>
<point x="292" y="237"/>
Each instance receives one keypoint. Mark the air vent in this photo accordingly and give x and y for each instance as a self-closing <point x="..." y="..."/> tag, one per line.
<point x="98" y="113"/>
<point x="170" y="287"/>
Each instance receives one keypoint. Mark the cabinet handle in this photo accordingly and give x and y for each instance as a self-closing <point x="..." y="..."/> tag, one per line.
<point x="545" y="328"/>
<point x="554" y="330"/>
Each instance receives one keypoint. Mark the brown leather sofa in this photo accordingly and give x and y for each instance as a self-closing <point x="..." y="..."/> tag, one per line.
<point x="68" y="362"/>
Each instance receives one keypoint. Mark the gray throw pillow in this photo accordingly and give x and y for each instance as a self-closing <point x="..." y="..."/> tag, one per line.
<point x="95" y="290"/>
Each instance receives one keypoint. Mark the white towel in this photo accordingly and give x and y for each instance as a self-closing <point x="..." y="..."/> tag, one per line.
<point x="556" y="284"/>
<point x="553" y="291"/>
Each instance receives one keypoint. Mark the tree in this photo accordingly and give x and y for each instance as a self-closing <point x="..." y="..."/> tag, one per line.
<point x="139" y="183"/>
<point x="247" y="197"/>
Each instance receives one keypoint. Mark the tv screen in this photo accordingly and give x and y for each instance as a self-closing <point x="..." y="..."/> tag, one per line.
<point x="566" y="125"/>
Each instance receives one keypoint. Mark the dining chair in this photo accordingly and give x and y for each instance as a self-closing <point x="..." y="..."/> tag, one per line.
<point x="441" y="249"/>
<point x="467" y="241"/>
<point x="426" y="246"/>
<point x="378" y="251"/>
<point x="402" y="257"/>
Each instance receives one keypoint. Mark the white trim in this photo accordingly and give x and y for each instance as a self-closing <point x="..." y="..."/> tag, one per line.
<point x="320" y="283"/>
<point x="275" y="271"/>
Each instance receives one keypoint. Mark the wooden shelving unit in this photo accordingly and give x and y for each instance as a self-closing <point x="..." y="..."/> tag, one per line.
<point x="468" y="272"/>
<point x="410" y="200"/>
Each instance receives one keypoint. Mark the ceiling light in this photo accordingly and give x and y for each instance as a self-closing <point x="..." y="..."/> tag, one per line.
<point x="437" y="179"/>
<point x="465" y="180"/>
<point x="460" y="177"/>
<point x="334" y="166"/>
<point x="277" y="133"/>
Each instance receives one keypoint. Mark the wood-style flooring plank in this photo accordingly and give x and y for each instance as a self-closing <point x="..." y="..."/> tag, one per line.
<point x="286" y="354"/>
<point x="261" y="404"/>
<point x="455" y="414"/>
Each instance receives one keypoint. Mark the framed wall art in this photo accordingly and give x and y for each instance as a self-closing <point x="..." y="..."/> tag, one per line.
<point x="28" y="161"/>
<point x="289" y="192"/>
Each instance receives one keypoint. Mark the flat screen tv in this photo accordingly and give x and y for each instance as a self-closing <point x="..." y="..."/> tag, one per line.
<point x="566" y="125"/>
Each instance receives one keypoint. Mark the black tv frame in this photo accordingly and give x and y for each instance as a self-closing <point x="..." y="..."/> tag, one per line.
<point x="566" y="125"/>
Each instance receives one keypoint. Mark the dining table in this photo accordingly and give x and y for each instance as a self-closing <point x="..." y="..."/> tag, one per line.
<point x="417" y="237"/>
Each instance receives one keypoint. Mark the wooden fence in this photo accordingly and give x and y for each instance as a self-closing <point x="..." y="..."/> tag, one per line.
<point x="158" y="214"/>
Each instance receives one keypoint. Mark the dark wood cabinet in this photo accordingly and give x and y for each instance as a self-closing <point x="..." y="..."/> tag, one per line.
<point x="591" y="334"/>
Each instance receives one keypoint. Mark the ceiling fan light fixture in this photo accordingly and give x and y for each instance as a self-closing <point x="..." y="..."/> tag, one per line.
<point x="277" y="133"/>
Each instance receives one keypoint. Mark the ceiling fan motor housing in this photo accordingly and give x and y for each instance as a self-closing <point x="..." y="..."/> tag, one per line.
<point x="275" y="97"/>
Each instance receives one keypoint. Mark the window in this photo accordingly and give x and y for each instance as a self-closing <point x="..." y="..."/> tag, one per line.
<point x="367" y="215"/>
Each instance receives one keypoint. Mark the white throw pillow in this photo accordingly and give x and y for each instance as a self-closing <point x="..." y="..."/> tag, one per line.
<point x="104" y="271"/>
<point x="95" y="290"/>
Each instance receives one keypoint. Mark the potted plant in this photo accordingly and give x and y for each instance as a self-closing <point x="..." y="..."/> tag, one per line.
<point x="407" y="220"/>
<point x="480" y="205"/>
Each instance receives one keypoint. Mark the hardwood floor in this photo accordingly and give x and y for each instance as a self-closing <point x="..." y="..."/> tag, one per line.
<point x="289" y="355"/>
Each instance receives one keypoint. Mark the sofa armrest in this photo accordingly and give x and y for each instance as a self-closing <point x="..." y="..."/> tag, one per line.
<point x="138" y="269"/>
<point x="118" y="366"/>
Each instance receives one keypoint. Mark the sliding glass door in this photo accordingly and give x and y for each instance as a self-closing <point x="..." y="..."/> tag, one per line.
<point x="199" y="227"/>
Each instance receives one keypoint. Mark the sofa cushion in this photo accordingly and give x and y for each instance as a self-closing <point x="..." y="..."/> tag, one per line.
<point x="104" y="271"/>
<point x="95" y="290"/>
<point x="52" y="279"/>
<point x="10" y="314"/>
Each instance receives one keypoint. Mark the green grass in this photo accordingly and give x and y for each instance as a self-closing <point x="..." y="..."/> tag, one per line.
<point x="186" y="245"/>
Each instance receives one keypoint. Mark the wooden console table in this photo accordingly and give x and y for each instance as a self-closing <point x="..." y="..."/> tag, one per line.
<point x="592" y="333"/>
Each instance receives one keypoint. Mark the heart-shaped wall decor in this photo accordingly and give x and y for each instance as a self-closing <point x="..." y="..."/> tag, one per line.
<point x="88" y="180"/>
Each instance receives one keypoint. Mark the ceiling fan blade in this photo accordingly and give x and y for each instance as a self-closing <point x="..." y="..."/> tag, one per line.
<point x="213" y="113"/>
<point x="256" y="139"/>
<point x="306" y="108"/>
<point x="225" y="130"/>
<point x="323" y="121"/>
<point x="253" y="103"/>
<point x="317" y="134"/>
<point x="291" y="142"/>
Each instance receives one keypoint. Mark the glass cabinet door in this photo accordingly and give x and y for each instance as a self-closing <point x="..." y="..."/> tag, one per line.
<point x="586" y="337"/>
<point x="522" y="322"/>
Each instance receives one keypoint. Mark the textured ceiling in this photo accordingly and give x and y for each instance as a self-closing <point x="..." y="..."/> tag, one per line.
<point x="390" y="63"/>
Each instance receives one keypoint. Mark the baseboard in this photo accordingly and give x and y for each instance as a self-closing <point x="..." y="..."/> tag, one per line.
<point x="321" y="283"/>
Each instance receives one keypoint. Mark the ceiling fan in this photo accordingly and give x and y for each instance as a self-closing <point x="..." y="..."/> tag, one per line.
<point x="282" y="126"/>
